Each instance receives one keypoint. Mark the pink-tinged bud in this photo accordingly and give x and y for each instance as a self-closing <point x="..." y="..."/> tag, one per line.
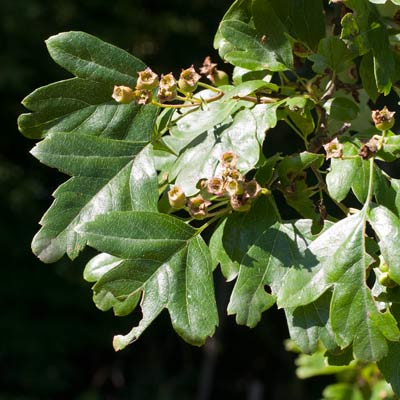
<point x="229" y="159"/>
<point x="235" y="187"/>
<point x="123" y="94"/>
<point x="176" y="197"/>
<point x="216" y="186"/>
<point x="383" y="119"/>
<point x="333" y="149"/>
<point x="217" y="77"/>
<point x="165" y="95"/>
<point x="188" y="80"/>
<point x="143" y="96"/>
<point x="168" y="82"/>
<point x="198" y="207"/>
<point x="147" y="80"/>
<point x="240" y="203"/>
<point x="252" y="189"/>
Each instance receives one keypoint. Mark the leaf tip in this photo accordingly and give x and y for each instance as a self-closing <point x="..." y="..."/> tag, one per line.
<point x="121" y="341"/>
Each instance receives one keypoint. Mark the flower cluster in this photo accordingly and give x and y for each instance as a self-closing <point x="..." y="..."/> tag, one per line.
<point x="167" y="87"/>
<point x="230" y="188"/>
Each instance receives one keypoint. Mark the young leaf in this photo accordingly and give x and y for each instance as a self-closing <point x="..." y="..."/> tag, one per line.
<point x="164" y="259"/>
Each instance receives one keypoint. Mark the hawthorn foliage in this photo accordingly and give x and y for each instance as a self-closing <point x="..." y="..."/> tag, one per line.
<point x="169" y="179"/>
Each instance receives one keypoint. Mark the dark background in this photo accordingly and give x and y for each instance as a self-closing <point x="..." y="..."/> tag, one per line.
<point x="54" y="343"/>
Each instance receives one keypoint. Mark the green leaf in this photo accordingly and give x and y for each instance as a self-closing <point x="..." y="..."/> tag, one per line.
<point x="315" y="365"/>
<point x="371" y="34"/>
<point x="342" y="391"/>
<point x="263" y="47"/>
<point x="342" y="172"/>
<point x="137" y="234"/>
<point x="387" y="226"/>
<point x="332" y="54"/>
<point x="266" y="118"/>
<point x="88" y="57"/>
<point x="143" y="182"/>
<point x="190" y="126"/>
<point x="264" y="249"/>
<point x="201" y="157"/>
<point x="101" y="169"/>
<point x="240" y="10"/>
<point x="100" y="265"/>
<point x="310" y="323"/>
<point x="304" y="19"/>
<point x="367" y="76"/>
<point x="84" y="104"/>
<point x="341" y="109"/>
<point x="389" y="366"/>
<point x="164" y="261"/>
<point x="292" y="166"/>
<point x="219" y="255"/>
<point x="355" y="317"/>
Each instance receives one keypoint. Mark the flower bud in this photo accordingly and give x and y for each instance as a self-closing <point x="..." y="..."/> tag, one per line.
<point x="221" y="78"/>
<point x="176" y="197"/>
<point x="123" y="94"/>
<point x="148" y="80"/>
<point x="143" y="96"/>
<point x="198" y="207"/>
<point x="240" y="203"/>
<point x="229" y="159"/>
<point x="216" y="186"/>
<point x="188" y="80"/>
<point x="235" y="187"/>
<point x="168" y="82"/>
<point x="252" y="189"/>
<point x="165" y="95"/>
<point x="383" y="119"/>
<point x="333" y="149"/>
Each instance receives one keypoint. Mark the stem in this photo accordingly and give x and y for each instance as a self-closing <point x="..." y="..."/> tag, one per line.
<point x="156" y="103"/>
<point x="192" y="99"/>
<point x="206" y="86"/>
<point x="370" y="182"/>
<point x="214" y="218"/>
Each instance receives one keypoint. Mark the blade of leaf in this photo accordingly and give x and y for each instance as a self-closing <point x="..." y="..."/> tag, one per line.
<point x="85" y="106"/>
<point x="88" y="57"/>
<point x="387" y="226"/>
<point x="166" y="261"/>
<point x="102" y="168"/>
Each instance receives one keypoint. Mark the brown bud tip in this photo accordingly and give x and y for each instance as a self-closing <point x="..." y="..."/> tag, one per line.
<point x="198" y="207"/>
<point x="147" y="80"/>
<point x="176" y="197"/>
<point x="123" y="94"/>
<point x="383" y="119"/>
<point x="333" y="149"/>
